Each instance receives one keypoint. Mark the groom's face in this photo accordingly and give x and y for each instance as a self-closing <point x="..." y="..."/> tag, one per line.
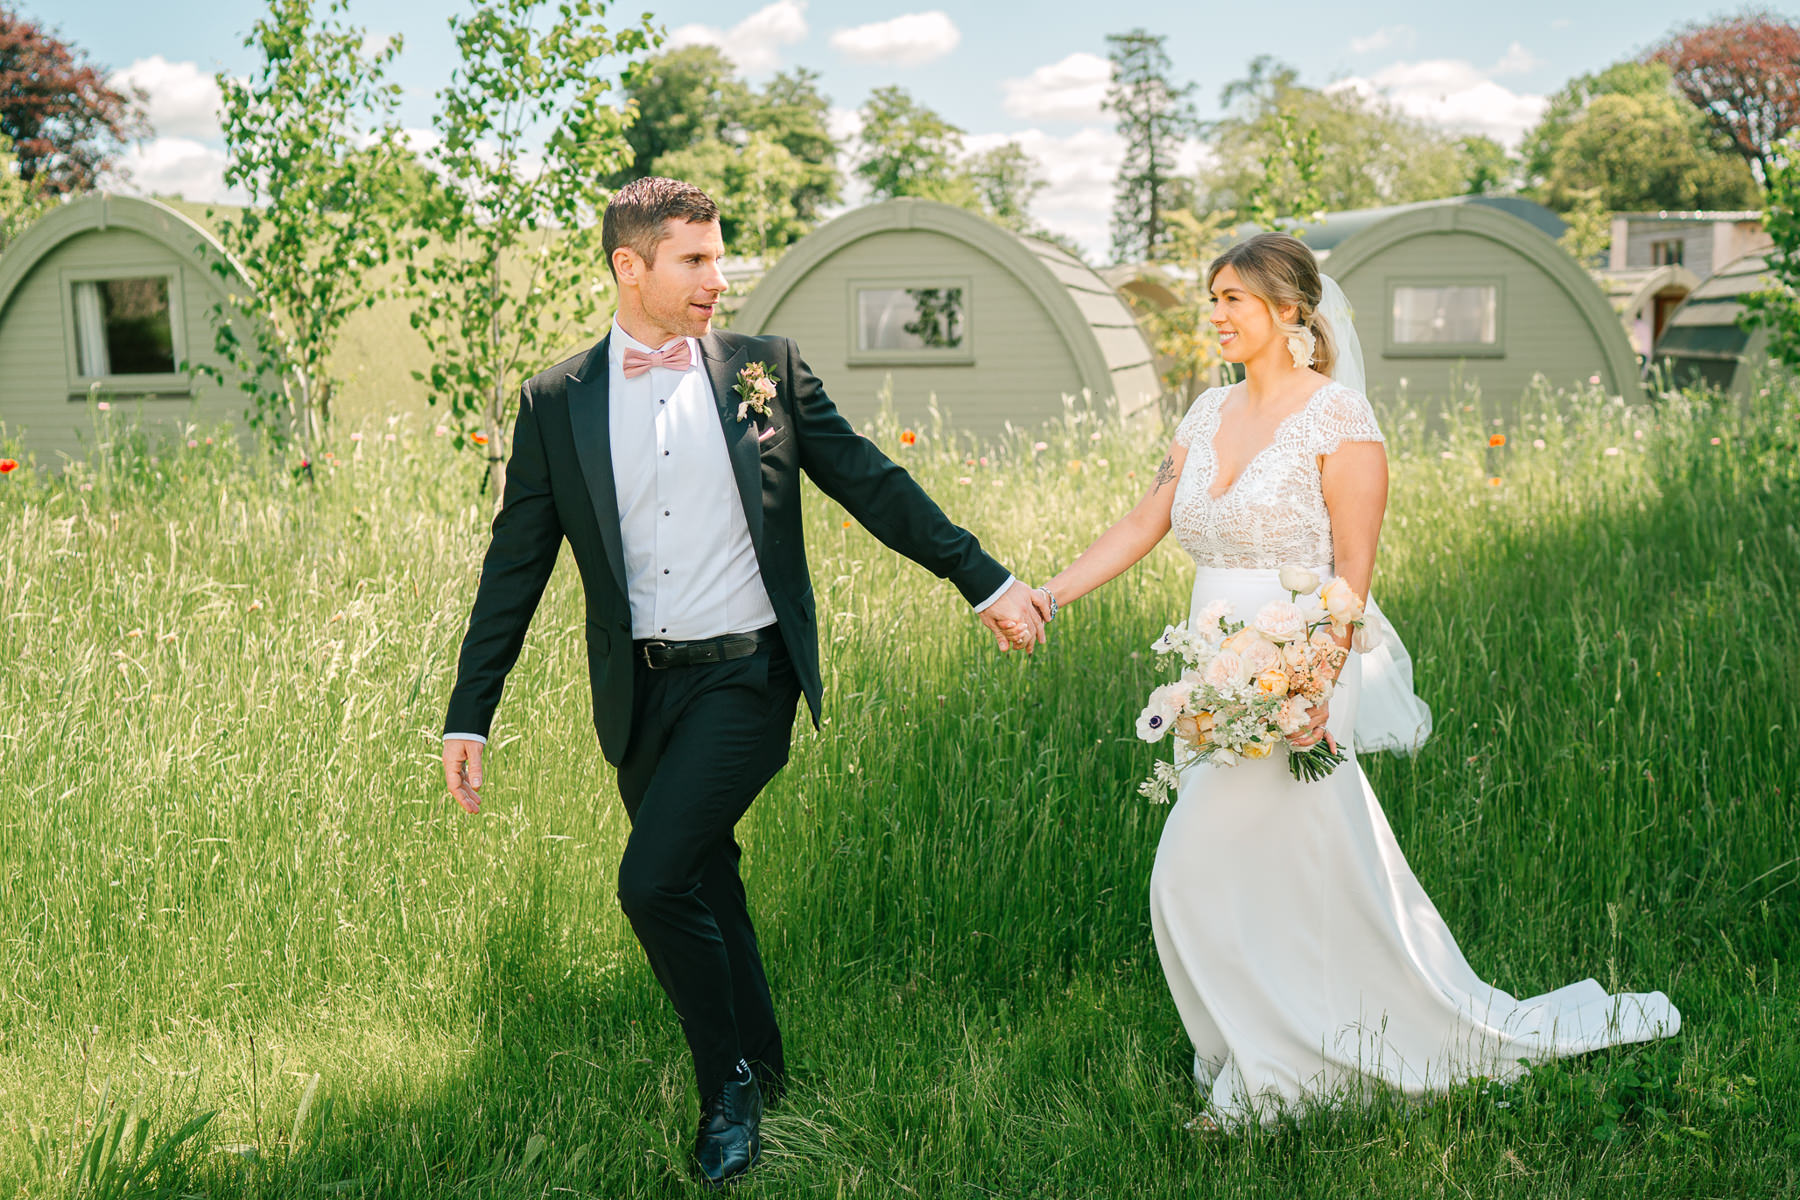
<point x="680" y="290"/>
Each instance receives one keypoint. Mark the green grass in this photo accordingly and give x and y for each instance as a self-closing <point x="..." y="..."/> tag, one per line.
<point x="230" y="882"/>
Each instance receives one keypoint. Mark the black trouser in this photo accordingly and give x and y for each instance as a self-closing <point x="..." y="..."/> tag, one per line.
<point x="704" y="741"/>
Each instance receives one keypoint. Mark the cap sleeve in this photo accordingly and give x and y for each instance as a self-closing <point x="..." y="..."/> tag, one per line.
<point x="1342" y="415"/>
<point x="1196" y="413"/>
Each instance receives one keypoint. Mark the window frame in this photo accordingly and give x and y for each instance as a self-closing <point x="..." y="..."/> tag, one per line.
<point x="1680" y="245"/>
<point x="1393" y="348"/>
<point x="959" y="356"/>
<point x="175" y="384"/>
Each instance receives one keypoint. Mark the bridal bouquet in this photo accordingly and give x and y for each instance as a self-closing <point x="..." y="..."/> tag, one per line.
<point x="1245" y="688"/>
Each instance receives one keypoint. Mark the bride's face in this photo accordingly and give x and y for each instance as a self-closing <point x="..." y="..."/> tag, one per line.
<point x="1244" y="323"/>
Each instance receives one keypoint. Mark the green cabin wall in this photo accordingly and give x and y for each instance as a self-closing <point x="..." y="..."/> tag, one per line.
<point x="1021" y="369"/>
<point x="1542" y="330"/>
<point x="39" y="403"/>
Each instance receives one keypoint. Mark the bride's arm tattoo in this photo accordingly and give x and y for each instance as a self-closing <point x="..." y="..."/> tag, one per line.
<point x="1164" y="473"/>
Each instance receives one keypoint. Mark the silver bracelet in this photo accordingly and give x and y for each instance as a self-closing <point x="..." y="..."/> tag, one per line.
<point x="1052" y="596"/>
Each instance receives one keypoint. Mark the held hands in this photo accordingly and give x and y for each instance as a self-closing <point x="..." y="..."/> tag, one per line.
<point x="462" y="772"/>
<point x="1015" y="620"/>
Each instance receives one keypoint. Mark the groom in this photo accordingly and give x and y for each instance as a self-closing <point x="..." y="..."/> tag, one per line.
<point x="673" y="471"/>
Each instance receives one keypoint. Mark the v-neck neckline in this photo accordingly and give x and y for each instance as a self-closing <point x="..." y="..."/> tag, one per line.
<point x="1218" y="422"/>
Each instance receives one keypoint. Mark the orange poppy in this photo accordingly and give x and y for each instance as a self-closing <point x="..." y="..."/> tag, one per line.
<point x="8" y="465"/>
<point x="480" y="439"/>
<point x="1498" y="439"/>
<point x="908" y="438"/>
<point x="1494" y="482"/>
<point x="846" y="524"/>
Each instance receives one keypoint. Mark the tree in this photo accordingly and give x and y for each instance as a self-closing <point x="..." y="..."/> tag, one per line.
<point x="310" y="137"/>
<point x="693" y="109"/>
<point x="906" y="149"/>
<point x="1778" y="306"/>
<point x="20" y="202"/>
<point x="1636" y="153"/>
<point x="524" y="130"/>
<point x="1625" y="134"/>
<point x="1186" y="344"/>
<point x="1359" y="150"/>
<point x="753" y="185"/>
<point x="1005" y="181"/>
<point x="1488" y="169"/>
<point x="1155" y="117"/>
<point x="65" y="123"/>
<point x="1743" y="74"/>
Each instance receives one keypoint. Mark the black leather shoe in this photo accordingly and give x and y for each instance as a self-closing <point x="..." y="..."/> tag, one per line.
<point x="730" y="1139"/>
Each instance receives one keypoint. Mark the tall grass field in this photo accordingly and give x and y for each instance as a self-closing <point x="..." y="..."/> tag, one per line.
<point x="248" y="946"/>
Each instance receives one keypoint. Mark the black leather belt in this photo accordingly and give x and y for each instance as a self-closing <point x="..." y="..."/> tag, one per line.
<point x="659" y="654"/>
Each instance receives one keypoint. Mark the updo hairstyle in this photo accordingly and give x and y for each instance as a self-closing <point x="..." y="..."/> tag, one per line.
<point x="1279" y="270"/>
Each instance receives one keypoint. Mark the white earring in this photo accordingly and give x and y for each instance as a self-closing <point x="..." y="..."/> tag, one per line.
<point x="1301" y="345"/>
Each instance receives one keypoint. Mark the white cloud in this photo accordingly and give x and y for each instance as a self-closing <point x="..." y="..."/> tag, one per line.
<point x="1454" y="94"/>
<point x="1071" y="89"/>
<point x="755" y="42"/>
<point x="176" y="166"/>
<point x="183" y="100"/>
<point x="1517" y="61"/>
<point x="374" y="44"/>
<point x="907" y="41"/>
<point x="1390" y="37"/>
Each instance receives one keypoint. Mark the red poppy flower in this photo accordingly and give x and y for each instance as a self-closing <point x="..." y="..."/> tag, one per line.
<point x="908" y="438"/>
<point x="480" y="439"/>
<point x="8" y="465"/>
<point x="1498" y="439"/>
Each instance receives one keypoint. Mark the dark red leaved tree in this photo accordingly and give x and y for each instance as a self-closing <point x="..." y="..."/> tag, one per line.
<point x="67" y="124"/>
<point x="1743" y="72"/>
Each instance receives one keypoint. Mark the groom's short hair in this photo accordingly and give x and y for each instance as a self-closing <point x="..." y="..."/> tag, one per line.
<point x="639" y="211"/>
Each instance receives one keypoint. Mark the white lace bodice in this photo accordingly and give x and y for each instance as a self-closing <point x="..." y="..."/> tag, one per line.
<point x="1274" y="511"/>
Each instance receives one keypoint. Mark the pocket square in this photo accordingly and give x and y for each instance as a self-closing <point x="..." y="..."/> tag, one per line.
<point x="766" y="434"/>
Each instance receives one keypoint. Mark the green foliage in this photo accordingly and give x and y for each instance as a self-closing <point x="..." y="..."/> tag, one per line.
<point x="1488" y="168"/>
<point x="117" y="1159"/>
<point x="694" y="112"/>
<point x="1778" y="306"/>
<point x="20" y="202"/>
<point x="508" y="266"/>
<point x="907" y="149"/>
<point x="754" y="186"/>
<point x="1361" y="152"/>
<point x="1186" y="344"/>
<point x="1587" y="235"/>
<point x="1155" y="117"/>
<point x="1005" y="180"/>
<point x="1628" y="133"/>
<point x="224" y="814"/>
<point x="311" y="139"/>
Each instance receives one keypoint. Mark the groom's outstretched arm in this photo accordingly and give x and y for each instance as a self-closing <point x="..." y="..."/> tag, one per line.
<point x="890" y="504"/>
<point x="521" y="554"/>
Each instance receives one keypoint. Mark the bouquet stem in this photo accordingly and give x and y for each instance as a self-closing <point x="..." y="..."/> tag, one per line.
<point x="1315" y="762"/>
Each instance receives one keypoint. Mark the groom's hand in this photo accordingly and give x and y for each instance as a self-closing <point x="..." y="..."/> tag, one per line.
<point x="1014" y="620"/>
<point x="462" y="772"/>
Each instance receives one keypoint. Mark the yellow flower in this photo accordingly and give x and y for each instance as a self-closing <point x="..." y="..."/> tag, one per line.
<point x="1273" y="683"/>
<point x="1259" y="749"/>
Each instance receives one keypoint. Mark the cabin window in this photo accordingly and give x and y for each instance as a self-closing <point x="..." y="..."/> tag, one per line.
<point x="124" y="327"/>
<point x="911" y="321"/>
<point x="1444" y="318"/>
<point x="1667" y="252"/>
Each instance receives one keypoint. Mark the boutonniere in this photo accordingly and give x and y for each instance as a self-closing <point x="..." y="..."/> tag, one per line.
<point x="755" y="386"/>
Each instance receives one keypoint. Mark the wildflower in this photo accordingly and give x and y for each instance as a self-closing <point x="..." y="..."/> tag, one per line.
<point x="1638" y="434"/>
<point x="356" y="437"/>
<point x="1715" y="441"/>
<point x="104" y="406"/>
<point x="255" y="606"/>
<point x="209" y="441"/>
<point x="964" y="480"/>
<point x="984" y="460"/>
<point x="388" y="438"/>
<point x="1095" y="437"/>
<point x="1447" y="455"/>
<point x="135" y="633"/>
<point x="1101" y="462"/>
<point x="441" y="431"/>
<point x="192" y="444"/>
<point x="1075" y="466"/>
<point x="909" y="438"/>
<point x="1497" y="440"/>
<point x="1493" y="481"/>
<point x="846" y="525"/>
<point x="1595" y="379"/>
<point x="1537" y="443"/>
<point x="1612" y="451"/>
<point x="9" y="465"/>
<point x="480" y="439"/>
<point x="1039" y="447"/>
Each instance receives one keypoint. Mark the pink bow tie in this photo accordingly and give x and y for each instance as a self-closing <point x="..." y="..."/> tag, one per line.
<point x="675" y="356"/>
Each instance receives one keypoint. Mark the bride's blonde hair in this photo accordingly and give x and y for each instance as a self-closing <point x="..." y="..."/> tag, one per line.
<point x="1279" y="269"/>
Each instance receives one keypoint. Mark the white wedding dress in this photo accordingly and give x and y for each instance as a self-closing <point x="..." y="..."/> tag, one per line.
<point x="1306" y="961"/>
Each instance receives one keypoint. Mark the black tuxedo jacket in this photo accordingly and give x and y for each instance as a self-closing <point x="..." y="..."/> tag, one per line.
<point x="559" y="484"/>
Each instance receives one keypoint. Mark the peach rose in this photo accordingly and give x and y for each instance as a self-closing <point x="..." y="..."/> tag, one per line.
<point x="1341" y="602"/>
<point x="1272" y="683"/>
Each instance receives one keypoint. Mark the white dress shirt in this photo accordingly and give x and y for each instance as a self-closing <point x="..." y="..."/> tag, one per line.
<point x="690" y="567"/>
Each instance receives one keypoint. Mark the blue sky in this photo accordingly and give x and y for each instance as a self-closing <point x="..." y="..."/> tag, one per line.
<point x="1477" y="68"/>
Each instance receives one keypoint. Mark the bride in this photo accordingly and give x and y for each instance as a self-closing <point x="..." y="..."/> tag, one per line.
<point x="1305" y="958"/>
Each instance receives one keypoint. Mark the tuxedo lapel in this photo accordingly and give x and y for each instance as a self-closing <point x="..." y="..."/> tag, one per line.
<point x="722" y="365"/>
<point x="590" y="422"/>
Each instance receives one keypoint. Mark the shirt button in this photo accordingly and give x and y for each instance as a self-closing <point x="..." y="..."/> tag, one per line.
<point x="665" y="570"/>
<point x="665" y="512"/>
<point x="665" y="454"/>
